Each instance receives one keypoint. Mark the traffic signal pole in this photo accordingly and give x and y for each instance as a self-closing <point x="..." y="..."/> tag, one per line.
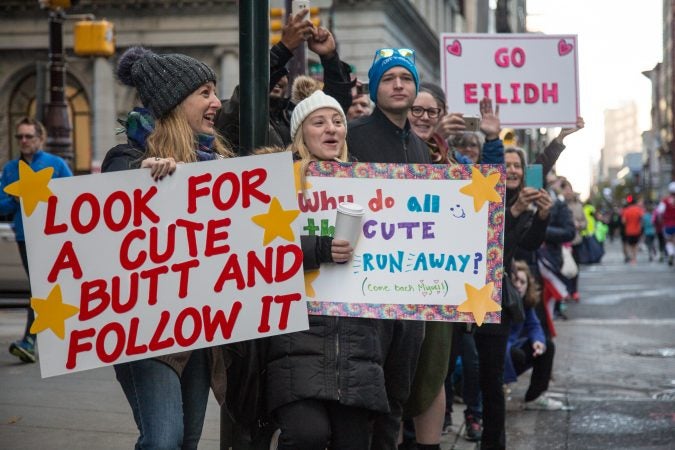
<point x="57" y="121"/>
<point x="254" y="73"/>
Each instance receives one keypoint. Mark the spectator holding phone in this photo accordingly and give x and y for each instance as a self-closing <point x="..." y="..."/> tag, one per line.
<point x="426" y="117"/>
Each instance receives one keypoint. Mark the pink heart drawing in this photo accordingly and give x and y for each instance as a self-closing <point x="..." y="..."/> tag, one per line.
<point x="564" y="48"/>
<point x="455" y="48"/>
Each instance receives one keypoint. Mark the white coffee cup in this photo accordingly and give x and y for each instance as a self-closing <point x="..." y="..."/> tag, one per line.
<point x="348" y="222"/>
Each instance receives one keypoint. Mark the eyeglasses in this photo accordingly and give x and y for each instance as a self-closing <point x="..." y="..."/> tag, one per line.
<point x="407" y="53"/>
<point x="432" y="113"/>
<point x="24" y="136"/>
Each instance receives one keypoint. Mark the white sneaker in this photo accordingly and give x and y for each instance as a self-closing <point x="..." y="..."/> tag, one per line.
<point x="544" y="403"/>
<point x="274" y="442"/>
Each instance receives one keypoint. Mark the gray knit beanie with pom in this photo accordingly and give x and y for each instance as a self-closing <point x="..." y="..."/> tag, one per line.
<point x="162" y="81"/>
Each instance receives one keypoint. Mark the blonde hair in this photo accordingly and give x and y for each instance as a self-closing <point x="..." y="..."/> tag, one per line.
<point x="173" y="137"/>
<point x="299" y="148"/>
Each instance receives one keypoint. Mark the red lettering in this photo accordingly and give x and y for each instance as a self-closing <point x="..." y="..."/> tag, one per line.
<point x="117" y="305"/>
<point x="296" y="262"/>
<point x="498" y="94"/>
<point x="132" y="347"/>
<point x="184" y="269"/>
<point x="50" y="226"/>
<point x="89" y="292"/>
<point x="551" y="93"/>
<point x="286" y="300"/>
<point x="218" y="201"/>
<point x="518" y="57"/>
<point x="194" y="193"/>
<point x="155" y="256"/>
<point x="213" y="236"/>
<point x="153" y="275"/>
<point x="75" y="212"/>
<point x="531" y="92"/>
<point x="125" y="261"/>
<point x="67" y="259"/>
<point x="231" y="271"/>
<point x="118" y="330"/>
<point x="516" y="95"/>
<point x="75" y="346"/>
<point x="191" y="229"/>
<point x="141" y="207"/>
<point x="155" y="342"/>
<point x="470" y="95"/>
<point x="179" y="327"/>
<point x="251" y="179"/>
<point x="486" y="89"/>
<point x="125" y="204"/>
<point x="264" y="325"/>
<point x="502" y="57"/>
<point x="226" y="324"/>
<point x="257" y="266"/>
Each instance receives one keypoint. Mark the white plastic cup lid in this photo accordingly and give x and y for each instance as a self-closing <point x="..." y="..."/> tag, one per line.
<point x="351" y="209"/>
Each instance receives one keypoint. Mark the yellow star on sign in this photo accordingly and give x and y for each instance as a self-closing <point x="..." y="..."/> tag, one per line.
<point x="31" y="186"/>
<point x="310" y="276"/>
<point x="52" y="313"/>
<point x="276" y="222"/>
<point x="481" y="188"/>
<point x="479" y="302"/>
<point x="297" y="167"/>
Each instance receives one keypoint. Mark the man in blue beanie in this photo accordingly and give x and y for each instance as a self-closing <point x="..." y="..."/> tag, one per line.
<point x="385" y="137"/>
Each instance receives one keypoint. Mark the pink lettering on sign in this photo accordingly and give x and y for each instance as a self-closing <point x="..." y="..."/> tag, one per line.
<point x="515" y="92"/>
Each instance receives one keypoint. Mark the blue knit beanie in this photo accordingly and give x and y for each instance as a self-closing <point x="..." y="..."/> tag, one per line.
<point x="381" y="65"/>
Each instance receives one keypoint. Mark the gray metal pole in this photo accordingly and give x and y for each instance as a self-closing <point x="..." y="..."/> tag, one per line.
<point x="57" y="121"/>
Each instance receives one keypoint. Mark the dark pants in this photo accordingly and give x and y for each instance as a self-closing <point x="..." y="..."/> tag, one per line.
<point x="401" y="341"/>
<point x="321" y="424"/>
<point x="491" y="352"/>
<point x="542" y="366"/>
<point x="31" y="313"/>
<point x="464" y="344"/>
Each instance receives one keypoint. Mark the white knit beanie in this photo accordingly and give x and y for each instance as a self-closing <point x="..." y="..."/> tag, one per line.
<point x="306" y="107"/>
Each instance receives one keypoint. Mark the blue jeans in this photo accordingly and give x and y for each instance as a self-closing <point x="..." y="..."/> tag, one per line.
<point x="169" y="410"/>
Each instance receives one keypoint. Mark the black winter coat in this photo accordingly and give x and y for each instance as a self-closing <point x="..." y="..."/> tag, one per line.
<point x="337" y="359"/>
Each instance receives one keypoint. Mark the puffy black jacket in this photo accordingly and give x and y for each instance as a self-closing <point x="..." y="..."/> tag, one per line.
<point x="337" y="358"/>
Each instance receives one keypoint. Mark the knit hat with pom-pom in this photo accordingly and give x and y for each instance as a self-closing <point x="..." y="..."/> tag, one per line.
<point x="306" y="107"/>
<point x="162" y="81"/>
<point x="303" y="87"/>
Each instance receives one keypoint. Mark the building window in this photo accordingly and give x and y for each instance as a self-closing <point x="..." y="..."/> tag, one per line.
<point x="23" y="102"/>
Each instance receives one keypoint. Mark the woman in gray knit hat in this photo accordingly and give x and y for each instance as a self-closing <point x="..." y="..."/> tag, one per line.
<point x="168" y="394"/>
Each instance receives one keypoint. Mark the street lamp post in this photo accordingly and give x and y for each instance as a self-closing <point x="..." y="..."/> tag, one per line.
<point x="57" y="120"/>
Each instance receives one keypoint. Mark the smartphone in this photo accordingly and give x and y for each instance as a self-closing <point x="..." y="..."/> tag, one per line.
<point x="534" y="177"/>
<point x="299" y="5"/>
<point x="472" y="123"/>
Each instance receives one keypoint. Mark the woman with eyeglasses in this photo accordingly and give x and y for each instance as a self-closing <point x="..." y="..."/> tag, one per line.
<point x="427" y="402"/>
<point x="430" y="120"/>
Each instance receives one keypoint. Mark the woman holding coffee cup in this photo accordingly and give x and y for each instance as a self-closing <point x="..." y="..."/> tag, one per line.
<point x="326" y="383"/>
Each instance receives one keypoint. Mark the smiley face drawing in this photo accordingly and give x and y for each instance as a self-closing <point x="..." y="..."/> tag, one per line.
<point x="457" y="212"/>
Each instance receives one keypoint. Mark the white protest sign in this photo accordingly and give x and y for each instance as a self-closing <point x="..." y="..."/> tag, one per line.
<point x="532" y="77"/>
<point x="124" y="268"/>
<point x="427" y="233"/>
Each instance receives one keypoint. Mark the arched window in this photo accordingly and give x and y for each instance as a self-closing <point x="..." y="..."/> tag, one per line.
<point x="23" y="102"/>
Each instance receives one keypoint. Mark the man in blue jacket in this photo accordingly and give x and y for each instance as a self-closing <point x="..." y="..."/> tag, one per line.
<point x="31" y="135"/>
